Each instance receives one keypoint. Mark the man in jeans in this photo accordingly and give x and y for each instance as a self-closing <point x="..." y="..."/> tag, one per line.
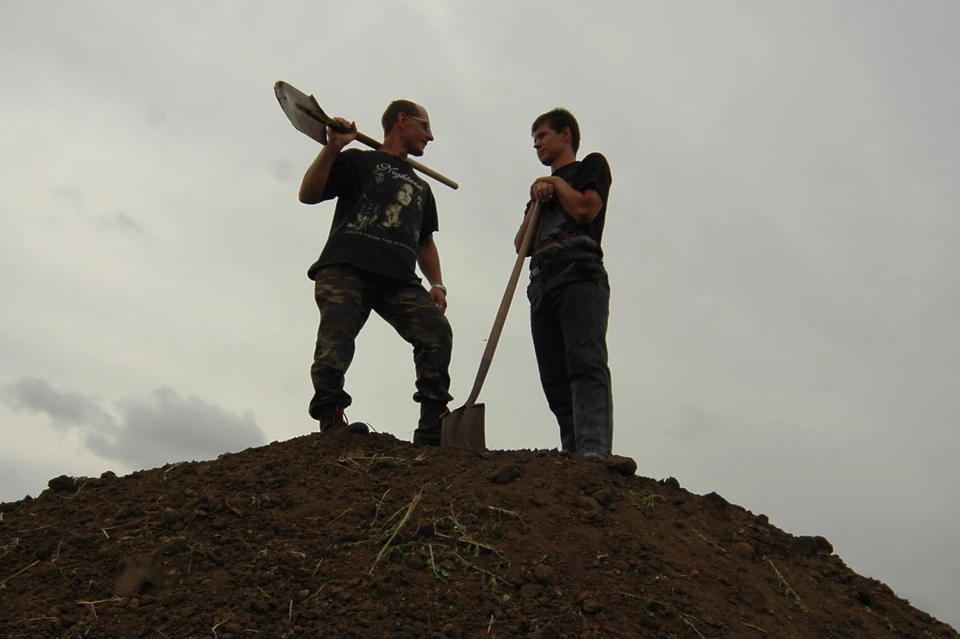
<point x="382" y="228"/>
<point x="569" y="291"/>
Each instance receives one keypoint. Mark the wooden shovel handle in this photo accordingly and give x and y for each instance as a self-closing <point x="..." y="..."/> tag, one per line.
<point x="501" y="319"/>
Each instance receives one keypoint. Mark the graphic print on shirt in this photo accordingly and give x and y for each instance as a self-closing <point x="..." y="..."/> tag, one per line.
<point x="367" y="210"/>
<point x="391" y="215"/>
<point x="555" y="226"/>
<point x="390" y="208"/>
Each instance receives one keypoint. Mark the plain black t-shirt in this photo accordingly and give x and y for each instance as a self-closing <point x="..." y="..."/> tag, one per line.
<point x="556" y="230"/>
<point x="384" y="210"/>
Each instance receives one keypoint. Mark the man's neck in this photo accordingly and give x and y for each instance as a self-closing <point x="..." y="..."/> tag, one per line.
<point x="566" y="158"/>
<point x="393" y="147"/>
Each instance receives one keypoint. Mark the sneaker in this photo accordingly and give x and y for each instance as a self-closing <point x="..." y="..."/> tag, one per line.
<point x="334" y="421"/>
<point x="430" y="425"/>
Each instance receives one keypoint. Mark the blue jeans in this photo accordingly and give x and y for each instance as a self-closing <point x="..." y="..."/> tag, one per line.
<point x="569" y="308"/>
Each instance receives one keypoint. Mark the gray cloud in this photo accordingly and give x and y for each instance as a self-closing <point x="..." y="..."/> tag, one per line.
<point x="125" y="223"/>
<point x="68" y="195"/>
<point x="66" y="409"/>
<point x="146" y="431"/>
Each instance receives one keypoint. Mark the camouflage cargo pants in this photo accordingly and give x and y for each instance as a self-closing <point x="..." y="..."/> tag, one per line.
<point x="345" y="297"/>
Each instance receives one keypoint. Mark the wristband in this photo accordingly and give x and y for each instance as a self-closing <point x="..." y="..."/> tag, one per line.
<point x="441" y="287"/>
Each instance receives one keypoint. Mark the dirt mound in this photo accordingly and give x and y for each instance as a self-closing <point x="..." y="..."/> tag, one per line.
<point x="367" y="536"/>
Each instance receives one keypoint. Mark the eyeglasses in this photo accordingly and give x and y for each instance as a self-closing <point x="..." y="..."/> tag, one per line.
<point x="426" y="123"/>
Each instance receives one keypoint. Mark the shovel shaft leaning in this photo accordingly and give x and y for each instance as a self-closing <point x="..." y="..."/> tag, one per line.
<point x="501" y="318"/>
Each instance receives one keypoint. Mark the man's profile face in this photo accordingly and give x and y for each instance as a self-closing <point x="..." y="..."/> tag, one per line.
<point x="418" y="132"/>
<point x="549" y="144"/>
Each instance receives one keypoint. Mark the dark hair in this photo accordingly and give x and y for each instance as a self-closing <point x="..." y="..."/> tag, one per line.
<point x="394" y="109"/>
<point x="558" y="120"/>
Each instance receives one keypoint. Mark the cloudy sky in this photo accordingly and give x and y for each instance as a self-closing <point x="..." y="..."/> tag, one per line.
<point x="779" y="239"/>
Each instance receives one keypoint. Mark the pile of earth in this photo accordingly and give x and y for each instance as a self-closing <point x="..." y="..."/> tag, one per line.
<point x="369" y="536"/>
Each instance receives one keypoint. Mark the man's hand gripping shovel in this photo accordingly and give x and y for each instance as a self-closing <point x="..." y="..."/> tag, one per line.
<point x="464" y="427"/>
<point x="306" y="116"/>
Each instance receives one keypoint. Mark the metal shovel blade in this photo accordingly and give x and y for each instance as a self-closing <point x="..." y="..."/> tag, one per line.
<point x="464" y="428"/>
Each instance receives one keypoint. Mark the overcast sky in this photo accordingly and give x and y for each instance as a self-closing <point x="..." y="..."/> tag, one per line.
<point x="781" y="239"/>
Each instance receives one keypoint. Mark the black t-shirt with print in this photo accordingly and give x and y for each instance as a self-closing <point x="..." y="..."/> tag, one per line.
<point x="384" y="210"/>
<point x="556" y="230"/>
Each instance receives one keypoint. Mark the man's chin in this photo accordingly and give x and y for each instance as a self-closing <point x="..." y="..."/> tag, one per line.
<point x="415" y="152"/>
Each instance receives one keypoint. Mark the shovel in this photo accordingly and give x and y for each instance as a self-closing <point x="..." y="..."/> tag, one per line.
<point x="464" y="427"/>
<point x="306" y="116"/>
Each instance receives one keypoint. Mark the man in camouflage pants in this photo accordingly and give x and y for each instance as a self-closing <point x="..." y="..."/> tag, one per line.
<point x="382" y="228"/>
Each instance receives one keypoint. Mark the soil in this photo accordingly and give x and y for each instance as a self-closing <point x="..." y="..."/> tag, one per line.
<point x="368" y="536"/>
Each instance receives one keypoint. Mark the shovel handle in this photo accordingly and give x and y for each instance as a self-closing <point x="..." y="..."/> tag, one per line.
<point x="501" y="319"/>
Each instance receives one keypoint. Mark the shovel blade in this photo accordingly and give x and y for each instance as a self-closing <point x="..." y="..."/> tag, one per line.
<point x="302" y="110"/>
<point x="464" y="428"/>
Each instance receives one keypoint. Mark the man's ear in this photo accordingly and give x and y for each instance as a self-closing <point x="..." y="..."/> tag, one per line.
<point x="567" y="136"/>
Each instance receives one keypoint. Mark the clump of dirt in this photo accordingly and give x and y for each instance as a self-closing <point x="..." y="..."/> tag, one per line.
<point x="369" y="536"/>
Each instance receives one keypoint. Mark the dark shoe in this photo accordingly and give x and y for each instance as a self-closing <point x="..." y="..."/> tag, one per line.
<point x="430" y="425"/>
<point x="594" y="454"/>
<point x="334" y="420"/>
